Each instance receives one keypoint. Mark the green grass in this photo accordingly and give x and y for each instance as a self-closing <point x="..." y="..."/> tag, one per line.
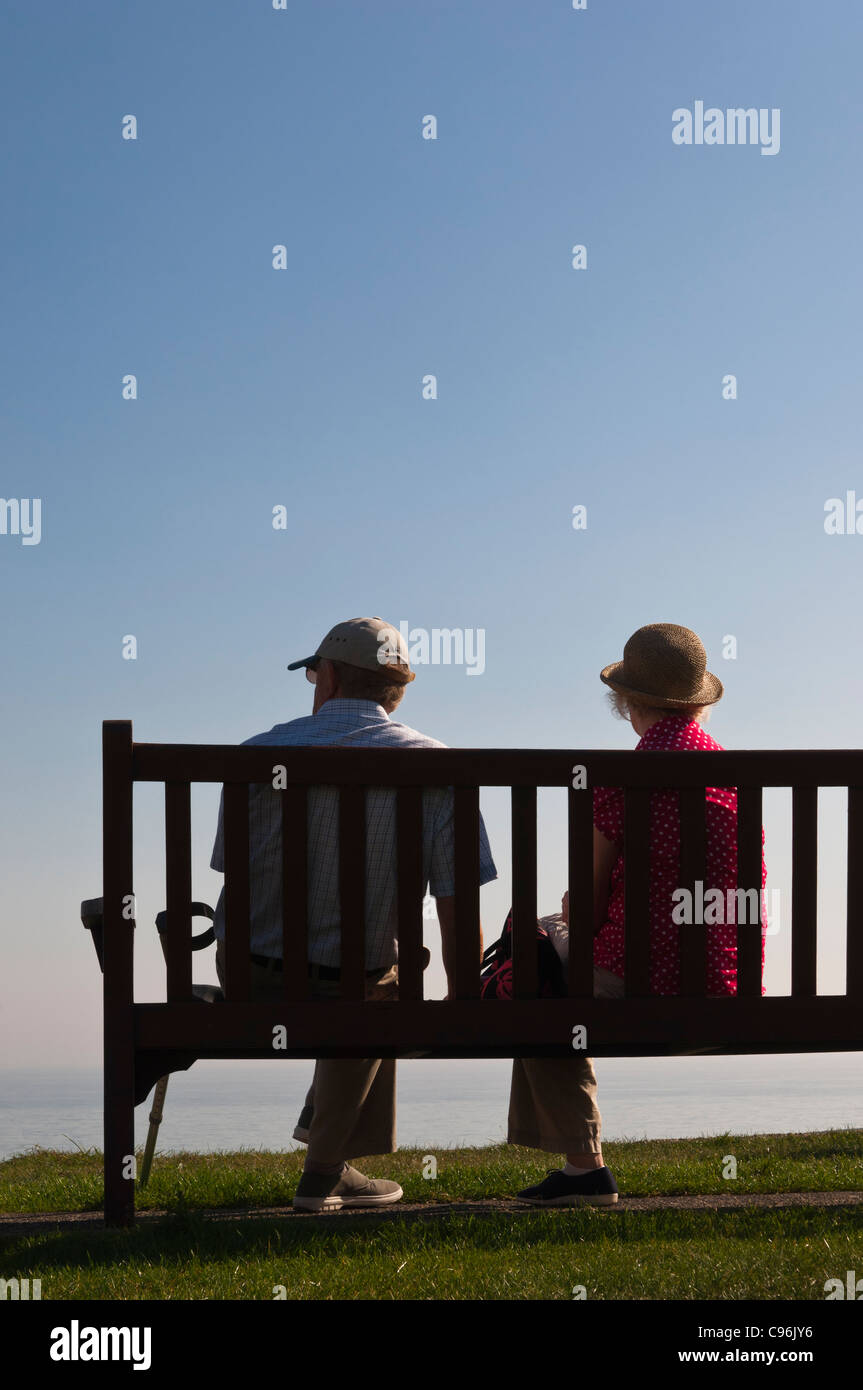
<point x="662" y="1254"/>
<point x="542" y="1255"/>
<point x="829" y="1161"/>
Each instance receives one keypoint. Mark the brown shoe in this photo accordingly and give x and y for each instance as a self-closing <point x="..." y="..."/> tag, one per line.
<point x="349" y="1188"/>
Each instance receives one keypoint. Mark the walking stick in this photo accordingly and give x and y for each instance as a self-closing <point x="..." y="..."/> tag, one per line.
<point x="155" y="1121"/>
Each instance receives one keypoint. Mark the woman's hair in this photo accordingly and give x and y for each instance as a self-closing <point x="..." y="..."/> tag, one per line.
<point x="356" y="683"/>
<point x="624" y="705"/>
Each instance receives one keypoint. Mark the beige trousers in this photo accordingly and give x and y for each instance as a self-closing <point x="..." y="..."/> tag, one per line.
<point x="552" y="1100"/>
<point x="353" y="1098"/>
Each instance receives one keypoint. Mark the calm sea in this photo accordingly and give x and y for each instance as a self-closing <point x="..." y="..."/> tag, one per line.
<point x="231" y="1105"/>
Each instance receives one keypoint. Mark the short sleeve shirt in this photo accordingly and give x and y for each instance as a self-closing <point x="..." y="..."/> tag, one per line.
<point x="667" y="735"/>
<point x="347" y="724"/>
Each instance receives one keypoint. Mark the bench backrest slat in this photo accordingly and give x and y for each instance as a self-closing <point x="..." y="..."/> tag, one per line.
<point x="804" y="890"/>
<point x="524" y="954"/>
<point x="237" y="944"/>
<point x="409" y="859"/>
<point x="466" y="839"/>
<point x="352" y="890"/>
<point x="636" y="890"/>
<point x="693" y="844"/>
<point x="854" y="920"/>
<point x="295" y="892"/>
<point x="749" y="851"/>
<point x="499" y="767"/>
<point x="178" y="890"/>
<point x="580" y="888"/>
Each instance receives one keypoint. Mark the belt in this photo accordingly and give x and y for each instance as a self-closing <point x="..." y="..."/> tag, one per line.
<point x="319" y="972"/>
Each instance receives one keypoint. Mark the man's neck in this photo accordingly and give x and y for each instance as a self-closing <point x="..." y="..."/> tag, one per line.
<point x="334" y="700"/>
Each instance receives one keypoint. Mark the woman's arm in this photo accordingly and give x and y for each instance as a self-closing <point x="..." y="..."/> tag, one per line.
<point x="604" y="856"/>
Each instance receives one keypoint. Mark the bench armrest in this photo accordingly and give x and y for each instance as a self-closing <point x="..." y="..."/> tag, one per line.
<point x="204" y="938"/>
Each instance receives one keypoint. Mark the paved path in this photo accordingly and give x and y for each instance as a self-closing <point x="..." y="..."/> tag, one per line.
<point x="40" y="1223"/>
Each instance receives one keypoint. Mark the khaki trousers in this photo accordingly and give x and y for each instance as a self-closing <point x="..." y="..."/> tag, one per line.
<point x="552" y="1100"/>
<point x="353" y="1099"/>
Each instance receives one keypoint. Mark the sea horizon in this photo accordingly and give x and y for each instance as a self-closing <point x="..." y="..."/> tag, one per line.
<point x="222" y="1106"/>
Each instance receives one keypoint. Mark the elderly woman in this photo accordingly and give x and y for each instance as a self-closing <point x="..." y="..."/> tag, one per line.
<point x="662" y="686"/>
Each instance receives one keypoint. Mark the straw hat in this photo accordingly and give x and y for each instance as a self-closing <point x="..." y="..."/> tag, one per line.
<point x="666" y="665"/>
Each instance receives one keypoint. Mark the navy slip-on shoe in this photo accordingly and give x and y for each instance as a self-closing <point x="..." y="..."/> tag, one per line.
<point x="595" y="1189"/>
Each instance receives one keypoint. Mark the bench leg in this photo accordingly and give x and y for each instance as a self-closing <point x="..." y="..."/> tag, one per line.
<point x="118" y="1008"/>
<point x="119" y="1135"/>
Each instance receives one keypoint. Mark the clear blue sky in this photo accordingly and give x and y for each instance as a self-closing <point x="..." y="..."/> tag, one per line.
<point x="302" y="387"/>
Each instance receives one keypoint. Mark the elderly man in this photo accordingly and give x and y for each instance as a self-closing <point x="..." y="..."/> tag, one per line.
<point x="359" y="671"/>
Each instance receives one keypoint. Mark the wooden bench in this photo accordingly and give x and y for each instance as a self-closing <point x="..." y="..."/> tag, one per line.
<point x="143" y="1041"/>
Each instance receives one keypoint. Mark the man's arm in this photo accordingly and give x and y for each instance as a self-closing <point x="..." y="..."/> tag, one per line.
<point x="446" y="917"/>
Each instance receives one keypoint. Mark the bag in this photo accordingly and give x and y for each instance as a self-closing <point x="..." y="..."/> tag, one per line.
<point x="496" y="973"/>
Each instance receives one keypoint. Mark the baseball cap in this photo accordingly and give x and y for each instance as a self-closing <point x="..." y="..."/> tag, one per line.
<point x="370" y="643"/>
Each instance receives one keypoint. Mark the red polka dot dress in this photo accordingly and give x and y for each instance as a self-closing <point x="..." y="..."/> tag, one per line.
<point x="667" y="735"/>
